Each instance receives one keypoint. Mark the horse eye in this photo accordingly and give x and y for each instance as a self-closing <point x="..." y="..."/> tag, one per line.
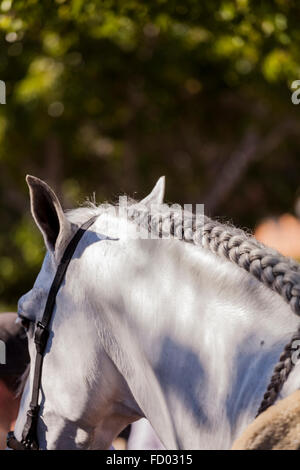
<point x="25" y="323"/>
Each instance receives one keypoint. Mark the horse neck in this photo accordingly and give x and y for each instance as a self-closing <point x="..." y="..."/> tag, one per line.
<point x="180" y="327"/>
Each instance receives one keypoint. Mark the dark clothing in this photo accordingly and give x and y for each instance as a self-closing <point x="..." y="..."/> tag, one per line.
<point x="14" y="341"/>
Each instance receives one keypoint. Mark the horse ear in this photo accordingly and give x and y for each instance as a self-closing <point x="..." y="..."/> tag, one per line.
<point x="48" y="213"/>
<point x="157" y="194"/>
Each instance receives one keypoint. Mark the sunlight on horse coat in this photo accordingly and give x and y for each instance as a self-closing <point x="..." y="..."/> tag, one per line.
<point x="160" y="329"/>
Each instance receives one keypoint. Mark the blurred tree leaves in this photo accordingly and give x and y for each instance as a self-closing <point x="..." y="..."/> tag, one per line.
<point x="107" y="95"/>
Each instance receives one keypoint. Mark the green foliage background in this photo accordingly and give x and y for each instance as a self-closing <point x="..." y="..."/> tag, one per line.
<point x="106" y="96"/>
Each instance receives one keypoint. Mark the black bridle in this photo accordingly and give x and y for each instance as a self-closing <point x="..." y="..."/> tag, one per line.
<point x="29" y="436"/>
<point x="29" y="439"/>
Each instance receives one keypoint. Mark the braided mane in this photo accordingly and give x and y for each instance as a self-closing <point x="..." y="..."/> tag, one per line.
<point x="279" y="273"/>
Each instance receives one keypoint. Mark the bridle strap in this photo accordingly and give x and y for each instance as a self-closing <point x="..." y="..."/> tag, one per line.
<point x="29" y="435"/>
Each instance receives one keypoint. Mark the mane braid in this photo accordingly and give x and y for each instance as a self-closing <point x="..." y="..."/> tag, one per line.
<point x="277" y="272"/>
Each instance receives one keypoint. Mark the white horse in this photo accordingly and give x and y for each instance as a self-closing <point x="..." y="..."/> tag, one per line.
<point x="156" y="328"/>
